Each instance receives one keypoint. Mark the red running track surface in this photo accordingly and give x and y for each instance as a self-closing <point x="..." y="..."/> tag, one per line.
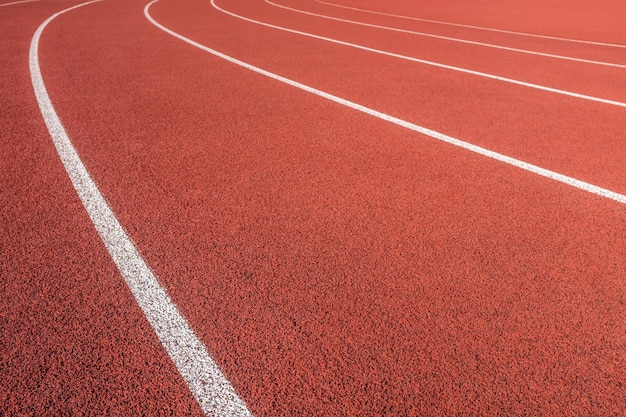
<point x="332" y="263"/>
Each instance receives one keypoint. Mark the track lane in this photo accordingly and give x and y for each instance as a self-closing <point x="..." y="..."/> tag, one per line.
<point x="535" y="127"/>
<point x="385" y="275"/>
<point x="567" y="21"/>
<point x="447" y="38"/>
<point x="595" y="52"/>
<point x="402" y="123"/>
<point x="72" y="340"/>
<point x="599" y="84"/>
<point x="211" y="389"/>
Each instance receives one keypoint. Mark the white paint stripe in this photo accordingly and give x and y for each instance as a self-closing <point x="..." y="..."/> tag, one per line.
<point x="431" y="63"/>
<point x="17" y="2"/>
<point x="207" y="383"/>
<point x="533" y="35"/>
<point x="428" y="132"/>
<point x="447" y="38"/>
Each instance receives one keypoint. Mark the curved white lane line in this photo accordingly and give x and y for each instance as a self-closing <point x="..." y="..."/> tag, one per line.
<point x="207" y="383"/>
<point x="613" y="45"/>
<point x="423" y="61"/>
<point x="17" y="2"/>
<point x="594" y="189"/>
<point x="447" y="38"/>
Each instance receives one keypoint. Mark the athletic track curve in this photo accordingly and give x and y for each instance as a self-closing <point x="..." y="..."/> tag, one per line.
<point x="316" y="208"/>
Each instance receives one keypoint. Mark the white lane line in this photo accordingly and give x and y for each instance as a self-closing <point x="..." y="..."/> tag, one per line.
<point x="17" y="2"/>
<point x="594" y="189"/>
<point x="207" y="383"/>
<point x="425" y="62"/>
<point x="614" y="45"/>
<point x="447" y="38"/>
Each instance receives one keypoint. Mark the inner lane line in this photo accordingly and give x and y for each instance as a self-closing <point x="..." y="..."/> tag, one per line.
<point x="208" y="385"/>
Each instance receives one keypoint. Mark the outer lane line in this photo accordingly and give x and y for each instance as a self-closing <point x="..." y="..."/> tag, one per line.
<point x="614" y="45"/>
<point x="207" y="383"/>
<point x="593" y="189"/>
<point x="17" y="2"/>
<point x="425" y="62"/>
<point x="447" y="38"/>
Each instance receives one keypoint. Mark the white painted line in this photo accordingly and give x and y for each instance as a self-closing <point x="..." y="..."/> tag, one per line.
<point x="425" y="62"/>
<point x="207" y="383"/>
<point x="533" y="35"/>
<point x="594" y="189"/>
<point x="17" y="2"/>
<point x="447" y="38"/>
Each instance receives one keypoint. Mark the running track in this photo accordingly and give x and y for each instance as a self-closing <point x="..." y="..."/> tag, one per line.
<point x="331" y="259"/>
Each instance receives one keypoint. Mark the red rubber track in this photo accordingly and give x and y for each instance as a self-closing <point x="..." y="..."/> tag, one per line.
<point x="506" y="12"/>
<point x="332" y="263"/>
<point x="582" y="78"/>
<point x="72" y="339"/>
<point x="600" y="21"/>
<point x="565" y="134"/>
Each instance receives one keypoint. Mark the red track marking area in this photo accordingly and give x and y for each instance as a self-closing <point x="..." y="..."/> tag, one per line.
<point x="452" y="39"/>
<point x="599" y="21"/>
<point x="488" y="74"/>
<point x="480" y="33"/>
<point x="72" y="339"/>
<point x="332" y="263"/>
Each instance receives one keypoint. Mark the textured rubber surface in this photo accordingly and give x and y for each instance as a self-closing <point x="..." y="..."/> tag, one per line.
<point x="72" y="339"/>
<point x="332" y="264"/>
